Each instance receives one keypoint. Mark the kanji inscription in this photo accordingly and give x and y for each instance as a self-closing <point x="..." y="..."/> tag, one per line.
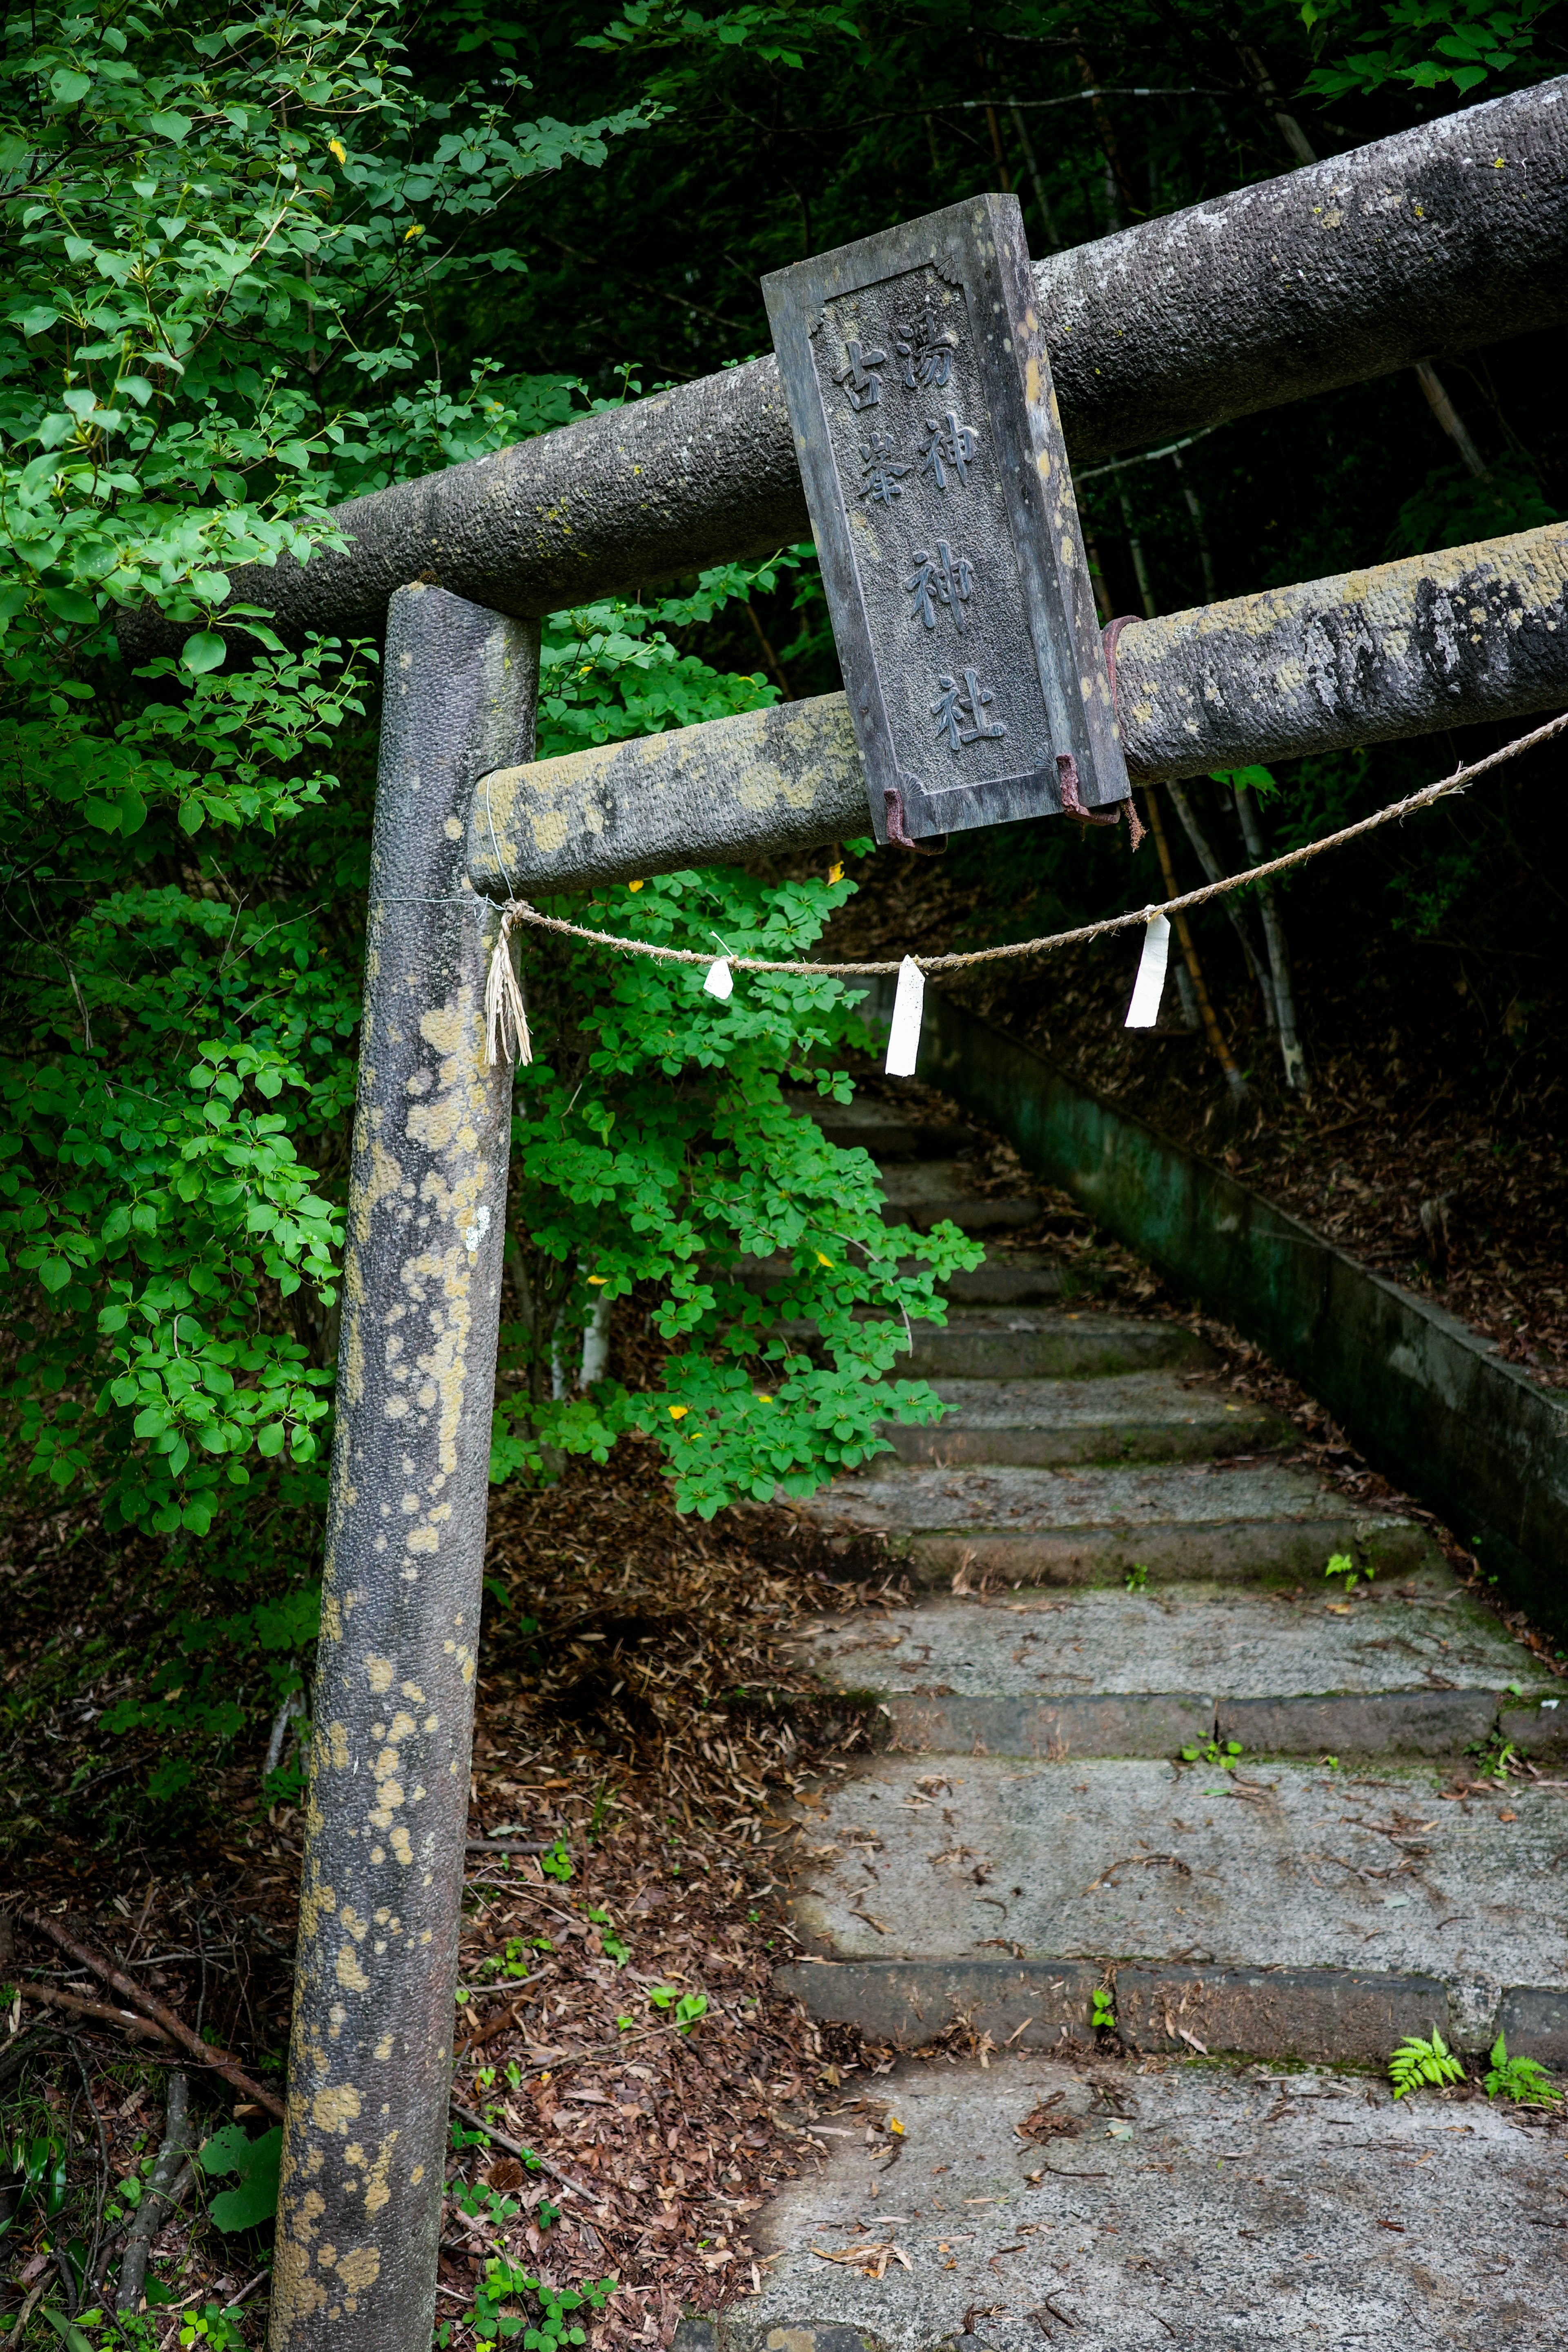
<point x="945" y="580"/>
<point x="920" y="394"/>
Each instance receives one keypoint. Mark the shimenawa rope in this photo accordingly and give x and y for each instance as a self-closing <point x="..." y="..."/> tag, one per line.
<point x="501" y="990"/>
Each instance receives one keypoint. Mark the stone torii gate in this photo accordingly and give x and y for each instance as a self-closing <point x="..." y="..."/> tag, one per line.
<point x="1445" y="238"/>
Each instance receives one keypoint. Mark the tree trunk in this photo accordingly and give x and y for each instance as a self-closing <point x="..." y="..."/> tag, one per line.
<point x="371" y="2059"/>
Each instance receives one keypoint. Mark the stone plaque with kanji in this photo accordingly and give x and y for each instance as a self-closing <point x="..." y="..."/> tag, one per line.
<point x="920" y="394"/>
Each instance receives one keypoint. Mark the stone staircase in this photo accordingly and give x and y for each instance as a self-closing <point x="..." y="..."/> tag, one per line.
<point x="1171" y="1840"/>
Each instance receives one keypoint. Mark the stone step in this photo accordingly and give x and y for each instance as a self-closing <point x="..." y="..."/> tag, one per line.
<point x="1217" y="2207"/>
<point x="1147" y="1416"/>
<point x="887" y="1130"/>
<point x="1019" y="1278"/>
<point x="1246" y="1643"/>
<point x="1090" y="1526"/>
<point x="1418" y="1672"/>
<point x="920" y="1193"/>
<point x="912" y="1871"/>
<point x="1004" y="1344"/>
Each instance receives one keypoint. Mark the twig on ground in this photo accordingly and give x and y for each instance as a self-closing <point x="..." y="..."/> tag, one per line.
<point x="170" y="2176"/>
<point x="524" y="2155"/>
<point x="174" y="2027"/>
<point x="128" y="2020"/>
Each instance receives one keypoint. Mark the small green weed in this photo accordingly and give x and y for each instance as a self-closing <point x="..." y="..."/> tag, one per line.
<point x="1522" y="2080"/>
<point x="688" y="2008"/>
<point x="1226" y="1756"/>
<point x="1496" y="1755"/>
<point x="37" y="2169"/>
<point x="216" y="2328"/>
<point x="1342" y="1564"/>
<point x="555" y="2324"/>
<point x="1138" y="1578"/>
<point x="557" y="1863"/>
<point x="612" y="1947"/>
<point x="1416" y="2062"/>
<point x="1102" y="2010"/>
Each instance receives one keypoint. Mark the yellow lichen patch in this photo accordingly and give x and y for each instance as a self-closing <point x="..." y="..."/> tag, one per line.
<point x="357" y="2270"/>
<point x="403" y="1726"/>
<point x="349" y="1974"/>
<point x="296" y="2296"/>
<point x="423" y="1540"/>
<point x="357" y="1927"/>
<point x="379" y="1672"/>
<point x="313" y="1901"/>
<point x="333" y="2110"/>
<point x="386" y="1182"/>
<point x="331" y="1616"/>
<point x="377" y="2192"/>
<point x="338" y="1740"/>
<point x="399" y="1841"/>
<point x="383" y="2049"/>
<point x="412" y="1691"/>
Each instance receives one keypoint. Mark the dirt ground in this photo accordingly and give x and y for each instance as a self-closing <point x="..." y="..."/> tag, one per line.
<point x="637" y="1714"/>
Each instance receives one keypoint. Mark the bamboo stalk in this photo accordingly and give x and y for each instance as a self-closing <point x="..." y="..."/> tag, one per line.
<point x="1212" y="1030"/>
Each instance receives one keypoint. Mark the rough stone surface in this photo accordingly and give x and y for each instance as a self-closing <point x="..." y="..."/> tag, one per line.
<point x="789" y="777"/>
<point x="1283" y="1866"/>
<point x="1395" y="650"/>
<point x="1238" y="1642"/>
<point x="1143" y="1723"/>
<point x="1015" y="1860"/>
<point x="999" y="1343"/>
<point x="993" y="1496"/>
<point x="1473" y="632"/>
<point x="1218" y="2208"/>
<point x="370" y="2060"/>
<point x="1082" y="1526"/>
<point x="1153" y="1416"/>
<point x="1444" y="238"/>
<point x="1311" y="2015"/>
<point x="1392" y="1723"/>
<point x="920" y="1193"/>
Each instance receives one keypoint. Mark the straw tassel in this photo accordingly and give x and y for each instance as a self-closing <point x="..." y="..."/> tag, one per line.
<point x="506" y="1018"/>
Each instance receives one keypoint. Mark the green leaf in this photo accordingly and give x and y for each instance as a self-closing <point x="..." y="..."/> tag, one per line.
<point x="256" y="2161"/>
<point x="69" y="87"/>
<point x="68" y="2330"/>
<point x="203" y="652"/>
<point x="65" y="605"/>
<point x="54" y="1272"/>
